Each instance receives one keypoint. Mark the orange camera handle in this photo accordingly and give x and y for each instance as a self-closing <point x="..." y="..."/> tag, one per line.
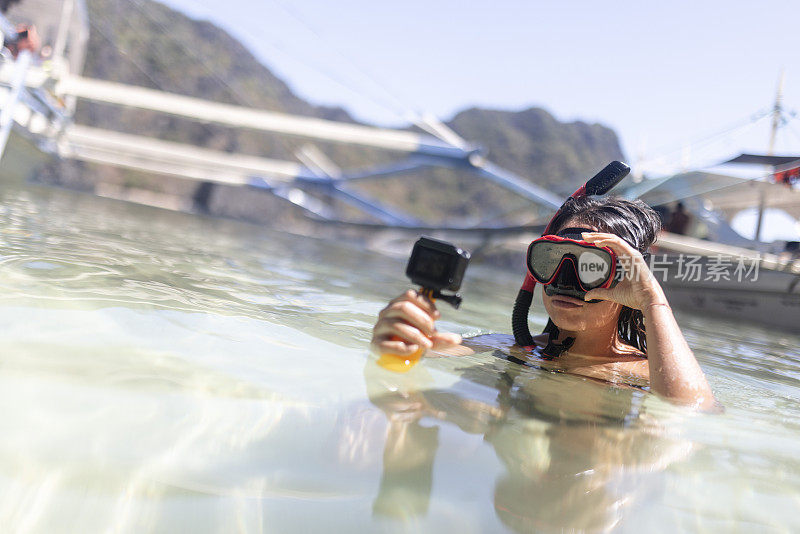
<point x="403" y="364"/>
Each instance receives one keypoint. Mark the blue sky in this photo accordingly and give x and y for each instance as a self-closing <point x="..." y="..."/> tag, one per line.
<point x="664" y="75"/>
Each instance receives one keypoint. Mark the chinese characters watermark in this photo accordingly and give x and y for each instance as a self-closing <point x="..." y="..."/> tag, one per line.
<point x="696" y="268"/>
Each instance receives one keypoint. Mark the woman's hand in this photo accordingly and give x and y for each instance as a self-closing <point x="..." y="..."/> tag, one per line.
<point x="407" y="324"/>
<point x="674" y="371"/>
<point x="638" y="288"/>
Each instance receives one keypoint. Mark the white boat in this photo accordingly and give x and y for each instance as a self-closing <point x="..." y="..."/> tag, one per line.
<point x="32" y="118"/>
<point x="766" y="287"/>
<point x="727" y="281"/>
<point x="34" y="127"/>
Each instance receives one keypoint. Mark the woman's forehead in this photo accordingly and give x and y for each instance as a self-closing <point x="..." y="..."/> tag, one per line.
<point x="575" y="223"/>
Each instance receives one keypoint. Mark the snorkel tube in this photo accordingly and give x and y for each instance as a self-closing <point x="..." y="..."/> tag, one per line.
<point x="600" y="184"/>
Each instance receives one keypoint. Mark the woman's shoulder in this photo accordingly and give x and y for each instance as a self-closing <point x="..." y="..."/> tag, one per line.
<point x="628" y="352"/>
<point x="503" y="342"/>
<point x="628" y="366"/>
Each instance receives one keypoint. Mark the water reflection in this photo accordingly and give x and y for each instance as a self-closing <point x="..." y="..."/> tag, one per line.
<point x="576" y="452"/>
<point x="171" y="373"/>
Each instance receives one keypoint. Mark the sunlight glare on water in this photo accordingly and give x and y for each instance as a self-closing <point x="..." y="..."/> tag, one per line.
<point x="173" y="373"/>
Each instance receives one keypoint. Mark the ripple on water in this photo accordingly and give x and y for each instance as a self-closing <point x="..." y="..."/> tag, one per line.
<point x="152" y="358"/>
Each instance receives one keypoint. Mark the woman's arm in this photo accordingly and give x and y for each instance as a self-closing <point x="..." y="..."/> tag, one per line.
<point x="674" y="371"/>
<point x="406" y="324"/>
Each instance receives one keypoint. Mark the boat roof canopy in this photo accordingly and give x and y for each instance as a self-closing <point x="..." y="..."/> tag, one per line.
<point x="669" y="189"/>
<point x="729" y="194"/>
<point x="763" y="159"/>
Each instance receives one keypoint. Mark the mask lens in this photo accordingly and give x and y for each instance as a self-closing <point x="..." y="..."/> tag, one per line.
<point x="593" y="264"/>
<point x="594" y="267"/>
<point x="543" y="260"/>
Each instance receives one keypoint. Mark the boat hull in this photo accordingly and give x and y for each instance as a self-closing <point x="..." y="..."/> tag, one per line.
<point x="769" y="309"/>
<point x="23" y="159"/>
<point x="770" y="298"/>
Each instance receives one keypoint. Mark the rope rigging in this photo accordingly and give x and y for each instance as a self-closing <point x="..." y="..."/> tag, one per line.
<point x="708" y="139"/>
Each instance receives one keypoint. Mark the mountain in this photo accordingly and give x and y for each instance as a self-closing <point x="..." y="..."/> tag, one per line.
<point x="144" y="43"/>
<point x="533" y="144"/>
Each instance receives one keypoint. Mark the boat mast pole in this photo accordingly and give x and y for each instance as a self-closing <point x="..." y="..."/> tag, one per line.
<point x="776" y="116"/>
<point x="60" y="46"/>
<point x="776" y="123"/>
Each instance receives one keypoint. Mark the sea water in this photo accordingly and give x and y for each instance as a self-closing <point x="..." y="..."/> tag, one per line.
<point x="164" y="372"/>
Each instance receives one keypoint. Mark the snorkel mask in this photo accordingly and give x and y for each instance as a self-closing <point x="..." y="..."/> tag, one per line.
<point x="565" y="264"/>
<point x="561" y="278"/>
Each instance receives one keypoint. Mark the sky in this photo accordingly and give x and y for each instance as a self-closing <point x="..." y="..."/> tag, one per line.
<point x="664" y="75"/>
<point x="680" y="82"/>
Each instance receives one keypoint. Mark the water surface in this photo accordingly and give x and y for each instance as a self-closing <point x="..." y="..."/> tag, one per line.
<point x="171" y="373"/>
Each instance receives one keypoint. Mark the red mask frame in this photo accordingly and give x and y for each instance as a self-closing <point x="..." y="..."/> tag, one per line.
<point x="568" y="256"/>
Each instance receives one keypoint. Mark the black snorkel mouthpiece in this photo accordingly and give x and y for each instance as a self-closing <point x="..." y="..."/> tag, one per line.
<point x="599" y="184"/>
<point x="605" y="180"/>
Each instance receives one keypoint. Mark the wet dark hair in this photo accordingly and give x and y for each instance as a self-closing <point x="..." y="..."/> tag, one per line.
<point x="632" y="220"/>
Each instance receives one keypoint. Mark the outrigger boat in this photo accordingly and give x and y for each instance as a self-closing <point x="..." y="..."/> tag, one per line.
<point x="725" y="273"/>
<point x="36" y="126"/>
<point x="728" y="281"/>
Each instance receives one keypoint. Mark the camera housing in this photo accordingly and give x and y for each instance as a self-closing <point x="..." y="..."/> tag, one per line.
<point x="437" y="265"/>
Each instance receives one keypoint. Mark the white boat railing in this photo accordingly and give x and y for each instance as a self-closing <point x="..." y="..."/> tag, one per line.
<point x="689" y="245"/>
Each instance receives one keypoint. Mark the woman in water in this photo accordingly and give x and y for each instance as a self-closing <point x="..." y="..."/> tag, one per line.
<point x="627" y="335"/>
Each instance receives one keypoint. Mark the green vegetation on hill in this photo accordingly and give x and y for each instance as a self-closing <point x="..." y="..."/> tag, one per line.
<point x="142" y="42"/>
<point x="533" y="144"/>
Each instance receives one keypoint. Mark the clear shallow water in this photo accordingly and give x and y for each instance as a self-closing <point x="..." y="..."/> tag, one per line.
<point x="169" y="373"/>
